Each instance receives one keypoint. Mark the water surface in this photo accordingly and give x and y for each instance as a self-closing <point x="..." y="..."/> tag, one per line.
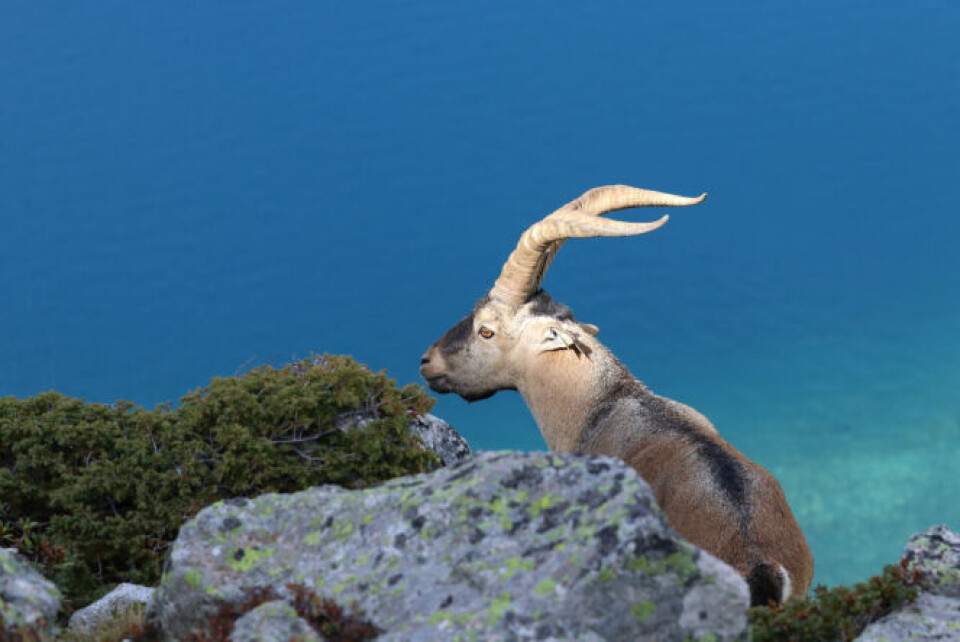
<point x="188" y="190"/>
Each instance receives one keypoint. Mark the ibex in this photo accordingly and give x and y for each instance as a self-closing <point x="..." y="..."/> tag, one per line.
<point x="585" y="401"/>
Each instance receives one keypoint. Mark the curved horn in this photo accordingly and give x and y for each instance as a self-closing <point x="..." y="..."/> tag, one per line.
<point x="525" y="268"/>
<point x="600" y="200"/>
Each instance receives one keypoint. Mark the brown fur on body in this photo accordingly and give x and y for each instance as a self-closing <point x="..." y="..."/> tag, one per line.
<point x="711" y="493"/>
<point x="586" y="402"/>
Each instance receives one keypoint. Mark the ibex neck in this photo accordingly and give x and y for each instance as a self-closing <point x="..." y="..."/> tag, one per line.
<point x="560" y="388"/>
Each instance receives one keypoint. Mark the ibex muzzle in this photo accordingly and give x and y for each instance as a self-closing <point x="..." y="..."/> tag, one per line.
<point x="585" y="401"/>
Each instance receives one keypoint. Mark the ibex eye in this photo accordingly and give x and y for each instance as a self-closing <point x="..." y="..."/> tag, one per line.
<point x="486" y="332"/>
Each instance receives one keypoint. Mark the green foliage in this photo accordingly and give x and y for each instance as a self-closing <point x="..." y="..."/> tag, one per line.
<point x="96" y="493"/>
<point x="839" y="613"/>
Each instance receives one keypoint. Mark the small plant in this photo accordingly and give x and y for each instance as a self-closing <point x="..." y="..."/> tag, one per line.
<point x="221" y="624"/>
<point x="325" y="616"/>
<point x="838" y="613"/>
<point x="95" y="494"/>
<point x="329" y="619"/>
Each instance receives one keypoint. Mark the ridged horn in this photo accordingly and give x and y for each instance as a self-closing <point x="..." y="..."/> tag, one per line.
<point x="525" y="268"/>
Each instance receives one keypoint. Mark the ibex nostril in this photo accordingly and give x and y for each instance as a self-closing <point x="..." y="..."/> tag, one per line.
<point x="424" y="360"/>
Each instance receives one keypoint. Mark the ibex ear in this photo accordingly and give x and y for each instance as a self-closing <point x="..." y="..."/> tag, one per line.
<point x="557" y="338"/>
<point x="590" y="329"/>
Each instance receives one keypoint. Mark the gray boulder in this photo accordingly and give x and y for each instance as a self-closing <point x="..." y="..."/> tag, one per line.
<point x="28" y="601"/>
<point x="504" y="546"/>
<point x="935" y="615"/>
<point x="936" y="554"/>
<point x="124" y="597"/>
<point x="438" y="436"/>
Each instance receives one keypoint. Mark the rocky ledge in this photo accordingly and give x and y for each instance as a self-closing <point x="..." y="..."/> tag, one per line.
<point x="502" y="546"/>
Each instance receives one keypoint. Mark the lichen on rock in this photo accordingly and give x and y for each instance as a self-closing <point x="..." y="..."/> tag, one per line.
<point x="936" y="554"/>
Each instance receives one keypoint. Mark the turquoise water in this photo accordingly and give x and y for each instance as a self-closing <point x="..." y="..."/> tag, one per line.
<point x="190" y="190"/>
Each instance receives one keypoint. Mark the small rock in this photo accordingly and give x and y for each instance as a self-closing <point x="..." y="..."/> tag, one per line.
<point x="103" y="610"/>
<point x="936" y="554"/>
<point x="434" y="433"/>
<point x="28" y="601"/>
<point x="438" y="436"/>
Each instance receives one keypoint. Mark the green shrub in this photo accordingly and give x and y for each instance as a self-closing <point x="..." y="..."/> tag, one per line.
<point x="96" y="493"/>
<point x="838" y="613"/>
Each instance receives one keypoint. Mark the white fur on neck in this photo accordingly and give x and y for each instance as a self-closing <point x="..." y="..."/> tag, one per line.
<point x="559" y="388"/>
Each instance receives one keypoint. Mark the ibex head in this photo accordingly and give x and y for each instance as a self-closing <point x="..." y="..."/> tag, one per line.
<point x="492" y="347"/>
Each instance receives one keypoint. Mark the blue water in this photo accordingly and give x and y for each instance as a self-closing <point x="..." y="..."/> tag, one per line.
<point x="189" y="189"/>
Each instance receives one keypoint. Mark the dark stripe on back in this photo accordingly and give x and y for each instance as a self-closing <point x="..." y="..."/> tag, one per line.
<point x="656" y="416"/>
<point x="727" y="471"/>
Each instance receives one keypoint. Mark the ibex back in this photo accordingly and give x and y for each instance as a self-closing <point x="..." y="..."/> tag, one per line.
<point x="585" y="401"/>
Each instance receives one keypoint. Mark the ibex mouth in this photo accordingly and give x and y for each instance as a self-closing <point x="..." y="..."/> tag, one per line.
<point x="439" y="384"/>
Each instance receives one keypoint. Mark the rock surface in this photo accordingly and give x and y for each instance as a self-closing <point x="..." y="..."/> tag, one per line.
<point x="28" y="601"/>
<point x="935" y="615"/>
<point x="438" y="436"/>
<point x="936" y="554"/>
<point x="930" y="617"/>
<point x="118" y="600"/>
<point x="503" y="546"/>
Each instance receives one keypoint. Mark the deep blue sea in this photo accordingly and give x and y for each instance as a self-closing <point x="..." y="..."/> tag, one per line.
<point x="191" y="189"/>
